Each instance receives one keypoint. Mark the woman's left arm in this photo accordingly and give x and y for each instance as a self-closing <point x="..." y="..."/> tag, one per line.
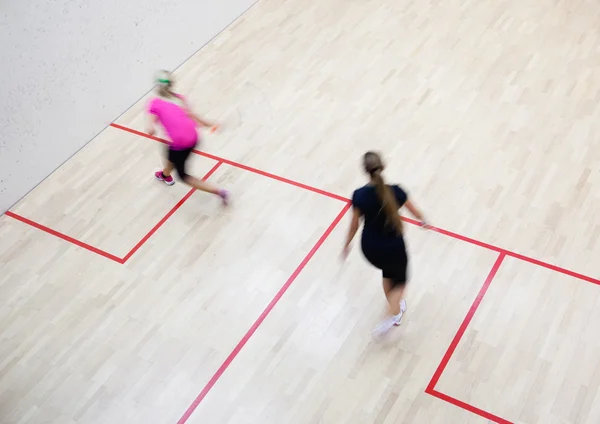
<point x="202" y="122"/>
<point x="416" y="213"/>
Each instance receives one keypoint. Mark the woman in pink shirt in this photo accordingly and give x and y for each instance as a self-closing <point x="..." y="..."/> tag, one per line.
<point x="172" y="112"/>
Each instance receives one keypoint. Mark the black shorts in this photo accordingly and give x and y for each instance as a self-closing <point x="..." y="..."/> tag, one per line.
<point x="391" y="259"/>
<point x="178" y="158"/>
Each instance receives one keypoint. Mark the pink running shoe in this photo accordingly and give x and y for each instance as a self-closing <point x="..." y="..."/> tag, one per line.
<point x="161" y="177"/>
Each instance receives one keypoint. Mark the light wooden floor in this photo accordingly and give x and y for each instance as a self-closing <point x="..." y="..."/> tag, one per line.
<point x="487" y="112"/>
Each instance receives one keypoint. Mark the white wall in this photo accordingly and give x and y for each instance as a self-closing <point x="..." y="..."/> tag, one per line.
<point x="69" y="67"/>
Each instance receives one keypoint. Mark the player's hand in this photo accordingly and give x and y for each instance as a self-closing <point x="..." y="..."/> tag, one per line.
<point x="424" y="225"/>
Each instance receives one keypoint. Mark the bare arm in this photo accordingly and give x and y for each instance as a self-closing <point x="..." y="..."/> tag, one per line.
<point x="152" y="122"/>
<point x="415" y="212"/>
<point x="202" y="122"/>
<point x="195" y="117"/>
<point x="354" y="224"/>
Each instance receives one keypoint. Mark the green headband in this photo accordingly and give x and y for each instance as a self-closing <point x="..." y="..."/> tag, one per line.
<point x="164" y="81"/>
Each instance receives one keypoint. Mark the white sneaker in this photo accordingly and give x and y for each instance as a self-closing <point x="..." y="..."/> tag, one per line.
<point x="398" y="318"/>
<point x="383" y="327"/>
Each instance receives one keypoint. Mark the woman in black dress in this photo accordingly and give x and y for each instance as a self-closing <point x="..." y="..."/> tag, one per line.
<point x="382" y="241"/>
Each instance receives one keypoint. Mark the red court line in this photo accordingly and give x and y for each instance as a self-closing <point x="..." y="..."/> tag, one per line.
<point x="328" y="194"/>
<point x="100" y="251"/>
<point x="238" y="165"/>
<point x="168" y="215"/>
<point x="409" y="220"/>
<point x="459" y="237"/>
<point x="509" y="253"/>
<point x="456" y="340"/>
<point x="468" y="407"/>
<point x="261" y="318"/>
<point x="465" y="323"/>
<point x="553" y="267"/>
<point x="64" y="237"/>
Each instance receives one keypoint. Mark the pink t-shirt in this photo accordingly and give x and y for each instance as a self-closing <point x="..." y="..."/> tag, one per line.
<point x="180" y="128"/>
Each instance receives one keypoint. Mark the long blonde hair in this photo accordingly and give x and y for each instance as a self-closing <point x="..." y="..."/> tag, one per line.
<point x="374" y="167"/>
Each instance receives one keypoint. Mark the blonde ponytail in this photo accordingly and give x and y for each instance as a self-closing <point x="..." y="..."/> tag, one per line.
<point x="374" y="166"/>
<point x="388" y="201"/>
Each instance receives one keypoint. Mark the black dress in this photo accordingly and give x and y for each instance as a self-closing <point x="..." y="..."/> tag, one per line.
<point x="381" y="244"/>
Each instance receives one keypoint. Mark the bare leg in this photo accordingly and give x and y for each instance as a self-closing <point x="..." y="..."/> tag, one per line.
<point x="168" y="169"/>
<point x="393" y="296"/>
<point x="207" y="187"/>
<point x="202" y="185"/>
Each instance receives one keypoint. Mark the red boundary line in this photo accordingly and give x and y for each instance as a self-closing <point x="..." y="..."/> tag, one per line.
<point x="208" y="387"/>
<point x="466" y="322"/>
<point x="468" y="407"/>
<point x="454" y="344"/>
<point x="103" y="252"/>
<point x="168" y="215"/>
<point x="237" y="165"/>
<point x="437" y="375"/>
<point x="412" y="221"/>
<point x="510" y="253"/>
<point x="64" y="237"/>
<point x="309" y="188"/>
